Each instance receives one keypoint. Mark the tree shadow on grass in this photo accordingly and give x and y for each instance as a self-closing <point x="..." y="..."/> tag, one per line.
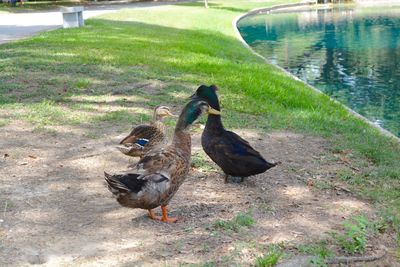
<point x="64" y="65"/>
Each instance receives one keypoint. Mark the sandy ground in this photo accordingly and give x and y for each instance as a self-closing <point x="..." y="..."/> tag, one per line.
<point x="56" y="210"/>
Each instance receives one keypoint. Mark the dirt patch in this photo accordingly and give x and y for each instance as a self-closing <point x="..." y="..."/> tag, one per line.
<point x="56" y="210"/>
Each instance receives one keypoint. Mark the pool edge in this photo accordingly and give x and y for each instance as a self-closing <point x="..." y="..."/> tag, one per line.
<point x="277" y="7"/>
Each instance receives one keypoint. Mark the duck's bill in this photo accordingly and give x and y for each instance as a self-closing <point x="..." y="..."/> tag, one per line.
<point x="192" y="97"/>
<point x="170" y="114"/>
<point x="213" y="111"/>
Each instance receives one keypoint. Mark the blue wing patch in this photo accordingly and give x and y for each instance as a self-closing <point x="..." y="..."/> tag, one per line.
<point x="142" y="142"/>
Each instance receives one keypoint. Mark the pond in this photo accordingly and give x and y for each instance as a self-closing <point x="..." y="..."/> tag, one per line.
<point x="349" y="53"/>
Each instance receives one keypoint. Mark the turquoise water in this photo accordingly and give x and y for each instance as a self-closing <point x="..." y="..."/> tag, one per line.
<point x="351" y="54"/>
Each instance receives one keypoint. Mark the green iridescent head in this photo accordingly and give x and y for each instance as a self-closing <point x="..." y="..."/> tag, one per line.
<point x="208" y="94"/>
<point x="192" y="111"/>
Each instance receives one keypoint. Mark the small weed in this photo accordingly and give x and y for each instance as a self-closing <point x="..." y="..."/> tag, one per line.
<point x="345" y="175"/>
<point x="200" y="161"/>
<point x="82" y="84"/>
<point x="244" y="219"/>
<point x="322" y="185"/>
<point x="350" y="177"/>
<point x="240" y="220"/>
<point x="4" y="122"/>
<point x="188" y="229"/>
<point x="45" y="130"/>
<point x="92" y="135"/>
<point x="271" y="258"/>
<point x="318" y="261"/>
<point x="389" y="217"/>
<point x="205" y="248"/>
<point x="267" y="208"/>
<point x="354" y="239"/>
<point x="320" y="251"/>
<point x="7" y="206"/>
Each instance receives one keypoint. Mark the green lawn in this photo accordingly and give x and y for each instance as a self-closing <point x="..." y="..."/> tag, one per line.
<point x="66" y="76"/>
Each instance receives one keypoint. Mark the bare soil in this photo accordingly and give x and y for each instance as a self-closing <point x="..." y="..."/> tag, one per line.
<point x="55" y="209"/>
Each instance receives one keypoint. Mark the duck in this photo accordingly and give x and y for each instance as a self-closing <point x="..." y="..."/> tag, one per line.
<point x="159" y="174"/>
<point x="234" y="155"/>
<point x="144" y="138"/>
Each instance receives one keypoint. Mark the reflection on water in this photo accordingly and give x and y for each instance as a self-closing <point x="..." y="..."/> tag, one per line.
<point x="351" y="54"/>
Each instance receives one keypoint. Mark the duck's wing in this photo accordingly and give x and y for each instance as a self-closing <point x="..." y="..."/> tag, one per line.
<point x="236" y="156"/>
<point x="234" y="145"/>
<point x="165" y="162"/>
<point x="142" y="135"/>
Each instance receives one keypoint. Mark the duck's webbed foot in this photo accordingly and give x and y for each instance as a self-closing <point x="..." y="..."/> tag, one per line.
<point x="233" y="179"/>
<point x="165" y="217"/>
<point x="153" y="216"/>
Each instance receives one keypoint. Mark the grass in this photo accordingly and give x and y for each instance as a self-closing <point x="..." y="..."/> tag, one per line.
<point x="181" y="46"/>
<point x="201" y="162"/>
<point x="271" y="258"/>
<point x="235" y="224"/>
<point x="320" y="251"/>
<point x="356" y="234"/>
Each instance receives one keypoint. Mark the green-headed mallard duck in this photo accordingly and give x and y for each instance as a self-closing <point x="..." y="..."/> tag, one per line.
<point x="158" y="175"/>
<point x="229" y="151"/>
<point x="144" y="138"/>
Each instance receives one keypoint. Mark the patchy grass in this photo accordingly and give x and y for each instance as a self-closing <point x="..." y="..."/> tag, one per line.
<point x="320" y="251"/>
<point x="4" y="122"/>
<point x="354" y="238"/>
<point x="201" y="162"/>
<point x="271" y="258"/>
<point x="235" y="224"/>
<point x="357" y="233"/>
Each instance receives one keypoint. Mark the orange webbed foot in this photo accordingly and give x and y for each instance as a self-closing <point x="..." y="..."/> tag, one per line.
<point x="165" y="217"/>
<point x="153" y="216"/>
<point x="170" y="220"/>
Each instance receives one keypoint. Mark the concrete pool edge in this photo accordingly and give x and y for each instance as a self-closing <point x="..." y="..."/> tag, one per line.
<point x="301" y="4"/>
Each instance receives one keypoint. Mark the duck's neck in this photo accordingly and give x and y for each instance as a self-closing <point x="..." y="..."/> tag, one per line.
<point x="159" y="125"/>
<point x="182" y="141"/>
<point x="156" y="117"/>
<point x="214" y="123"/>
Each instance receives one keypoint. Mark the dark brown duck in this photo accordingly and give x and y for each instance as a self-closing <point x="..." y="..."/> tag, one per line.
<point x="234" y="155"/>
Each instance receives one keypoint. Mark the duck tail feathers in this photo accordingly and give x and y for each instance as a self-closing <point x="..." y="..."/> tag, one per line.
<point x="270" y="165"/>
<point x="115" y="185"/>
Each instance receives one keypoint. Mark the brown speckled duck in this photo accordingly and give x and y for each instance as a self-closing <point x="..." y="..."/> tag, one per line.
<point x="144" y="138"/>
<point x="158" y="175"/>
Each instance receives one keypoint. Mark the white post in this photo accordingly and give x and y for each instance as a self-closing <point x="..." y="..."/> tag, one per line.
<point x="72" y="16"/>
